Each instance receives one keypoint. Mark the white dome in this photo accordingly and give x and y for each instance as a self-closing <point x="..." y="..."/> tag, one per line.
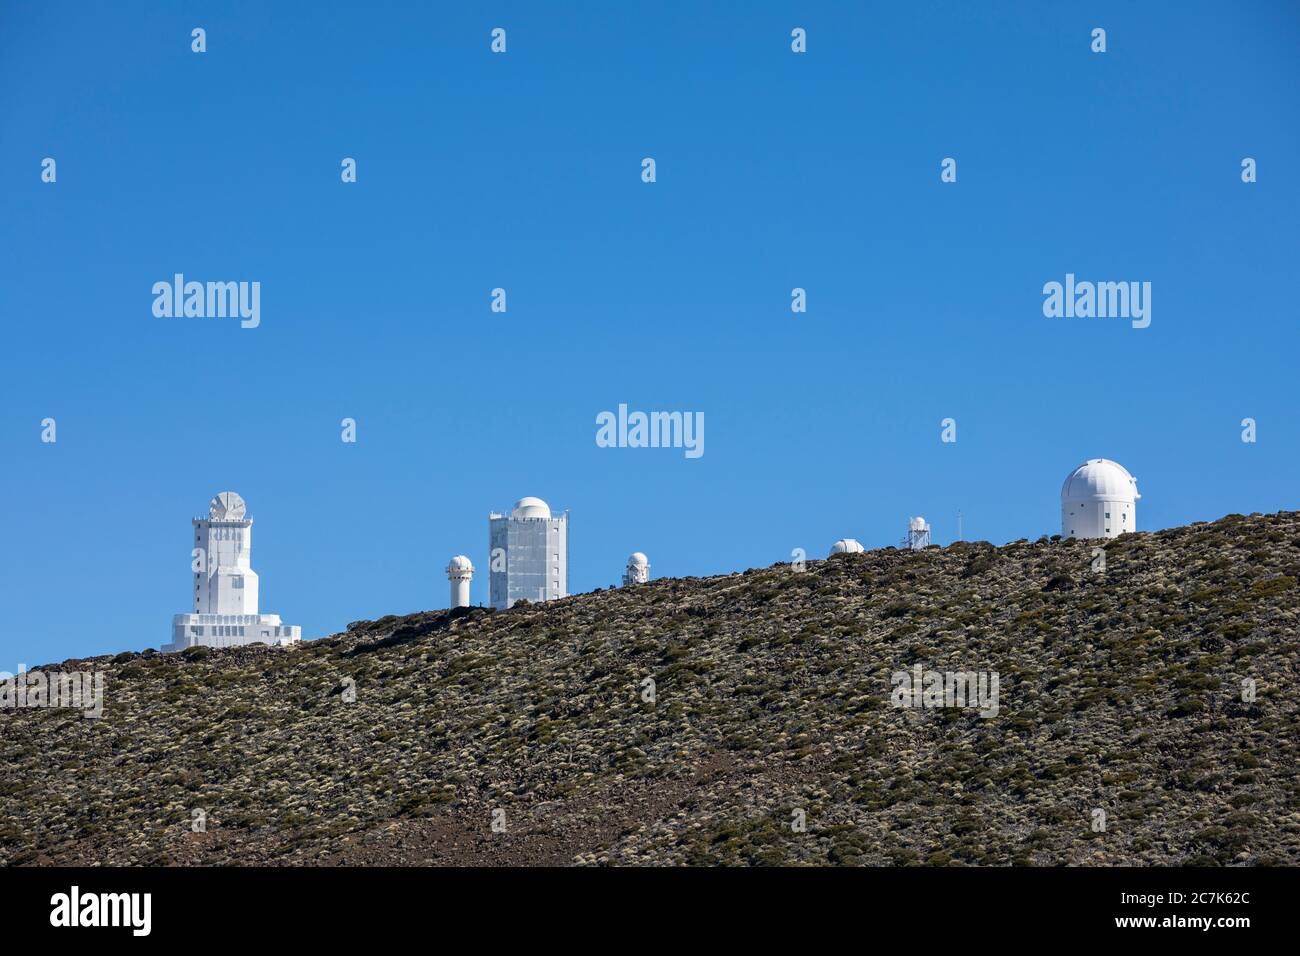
<point x="917" y="524"/>
<point x="226" y="506"/>
<point x="531" y="508"/>
<point x="846" y="546"/>
<point x="460" y="563"/>
<point x="638" y="559"/>
<point x="1099" y="479"/>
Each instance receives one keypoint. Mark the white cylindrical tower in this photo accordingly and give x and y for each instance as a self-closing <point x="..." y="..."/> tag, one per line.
<point x="1099" y="500"/>
<point x="638" y="569"/>
<point x="459" y="573"/>
<point x="846" y="546"/>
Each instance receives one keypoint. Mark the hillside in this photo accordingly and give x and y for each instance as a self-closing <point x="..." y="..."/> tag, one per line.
<point x="1119" y="690"/>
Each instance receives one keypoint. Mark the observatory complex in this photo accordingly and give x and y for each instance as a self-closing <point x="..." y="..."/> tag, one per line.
<point x="225" y="585"/>
<point x="528" y="554"/>
<point x="1099" y="500"/>
<point x="529" y="557"/>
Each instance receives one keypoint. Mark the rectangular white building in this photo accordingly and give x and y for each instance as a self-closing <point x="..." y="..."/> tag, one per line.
<point x="529" y="554"/>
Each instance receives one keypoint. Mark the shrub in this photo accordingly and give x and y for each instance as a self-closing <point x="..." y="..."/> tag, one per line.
<point x="1272" y="587"/>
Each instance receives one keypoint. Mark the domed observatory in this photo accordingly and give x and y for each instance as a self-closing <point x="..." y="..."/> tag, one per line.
<point x="918" y="534"/>
<point x="846" y="546"/>
<point x="528" y="552"/>
<point x="460" y="570"/>
<point x="638" y="569"/>
<point x="1099" y="500"/>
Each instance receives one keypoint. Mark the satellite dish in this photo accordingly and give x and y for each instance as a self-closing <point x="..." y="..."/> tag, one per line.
<point x="226" y="506"/>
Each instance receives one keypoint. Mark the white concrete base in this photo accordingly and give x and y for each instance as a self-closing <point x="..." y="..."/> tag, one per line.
<point x="230" y="630"/>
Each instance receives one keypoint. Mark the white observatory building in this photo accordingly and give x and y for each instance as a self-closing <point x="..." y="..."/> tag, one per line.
<point x="918" y="533"/>
<point x="225" y="585"/>
<point x="638" y="569"/>
<point x="529" y="554"/>
<point x="1099" y="500"/>
<point x="459" y="572"/>
<point x="846" y="546"/>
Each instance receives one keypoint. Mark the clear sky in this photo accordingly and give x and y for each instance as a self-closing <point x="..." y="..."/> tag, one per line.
<point x="775" y="170"/>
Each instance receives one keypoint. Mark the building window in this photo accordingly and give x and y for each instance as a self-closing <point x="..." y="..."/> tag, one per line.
<point x="237" y="581"/>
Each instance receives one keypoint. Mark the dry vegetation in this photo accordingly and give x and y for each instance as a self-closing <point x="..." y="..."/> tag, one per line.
<point x="1119" y="691"/>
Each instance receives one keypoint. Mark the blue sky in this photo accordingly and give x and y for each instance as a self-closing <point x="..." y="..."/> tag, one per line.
<point x="522" y="171"/>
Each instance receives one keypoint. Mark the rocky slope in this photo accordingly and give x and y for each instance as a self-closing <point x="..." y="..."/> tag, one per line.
<point x="1120" y="690"/>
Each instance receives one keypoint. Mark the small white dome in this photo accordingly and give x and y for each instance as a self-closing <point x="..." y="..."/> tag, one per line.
<point x="638" y="559"/>
<point x="459" y="563"/>
<point x="917" y="524"/>
<point x="531" y="508"/>
<point x="1099" y="479"/>
<point x="846" y="546"/>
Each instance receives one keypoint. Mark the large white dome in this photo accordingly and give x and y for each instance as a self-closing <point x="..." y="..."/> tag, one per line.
<point x="638" y="559"/>
<point x="460" y="563"/>
<point x="531" y="508"/>
<point x="1099" y="479"/>
<point x="846" y="546"/>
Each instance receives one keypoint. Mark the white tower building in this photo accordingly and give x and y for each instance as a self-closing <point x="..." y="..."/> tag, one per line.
<point x="846" y="546"/>
<point x="459" y="573"/>
<point x="225" y="585"/>
<point x="638" y="569"/>
<point x="529" y="554"/>
<point x="918" y="533"/>
<point x="1099" y="500"/>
